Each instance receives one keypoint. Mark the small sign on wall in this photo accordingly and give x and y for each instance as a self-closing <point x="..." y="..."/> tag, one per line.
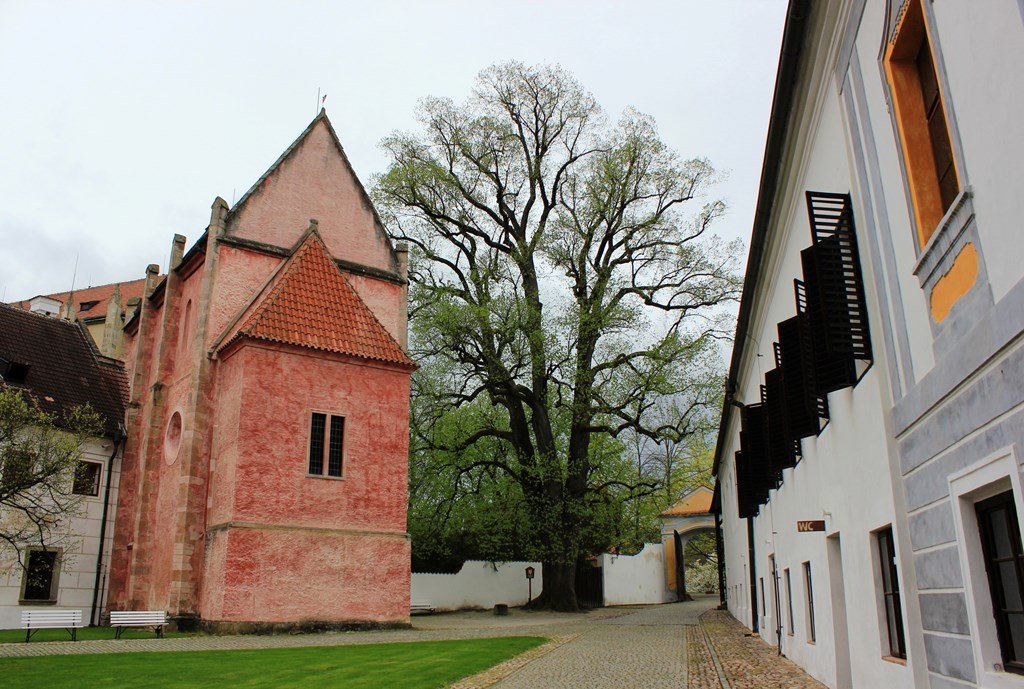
<point x="810" y="525"/>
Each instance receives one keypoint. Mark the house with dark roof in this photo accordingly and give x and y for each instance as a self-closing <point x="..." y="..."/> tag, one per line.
<point x="56" y="364"/>
<point x="265" y="470"/>
<point x="102" y="308"/>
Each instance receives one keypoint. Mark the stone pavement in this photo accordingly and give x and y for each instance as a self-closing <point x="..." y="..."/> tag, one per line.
<point x="719" y="646"/>
<point x="606" y="648"/>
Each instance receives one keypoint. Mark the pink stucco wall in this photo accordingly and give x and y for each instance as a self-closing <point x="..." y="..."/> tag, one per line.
<point x="239" y="532"/>
<point x="314" y="182"/>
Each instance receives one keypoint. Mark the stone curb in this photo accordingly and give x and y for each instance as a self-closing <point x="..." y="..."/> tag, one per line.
<point x="493" y="675"/>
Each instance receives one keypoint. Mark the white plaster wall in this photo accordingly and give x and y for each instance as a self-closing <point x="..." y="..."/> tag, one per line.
<point x="636" y="579"/>
<point x="80" y="546"/>
<point x="844" y="474"/>
<point x="477" y="585"/>
<point x="984" y="53"/>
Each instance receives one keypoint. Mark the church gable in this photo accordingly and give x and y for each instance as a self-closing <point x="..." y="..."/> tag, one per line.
<point x="309" y="303"/>
<point x="314" y="179"/>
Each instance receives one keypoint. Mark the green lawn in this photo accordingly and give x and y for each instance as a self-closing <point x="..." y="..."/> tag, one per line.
<point x="10" y="636"/>
<point x="420" y="665"/>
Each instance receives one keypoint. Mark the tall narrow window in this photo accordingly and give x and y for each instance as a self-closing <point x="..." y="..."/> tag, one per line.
<point x="891" y="594"/>
<point x="921" y="120"/>
<point x="316" y="444"/>
<point x="789" y="601"/>
<point x="327" y="436"/>
<point x="1004" y="562"/>
<point x="808" y="583"/>
<point x="763" y="606"/>
<point x="335" y="446"/>
<point x="40" y="582"/>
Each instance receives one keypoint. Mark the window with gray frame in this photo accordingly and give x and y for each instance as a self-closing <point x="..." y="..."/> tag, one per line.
<point x="811" y="637"/>
<point x="87" y="478"/>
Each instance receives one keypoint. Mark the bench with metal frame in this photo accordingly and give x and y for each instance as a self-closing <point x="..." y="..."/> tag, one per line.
<point x="34" y="620"/>
<point x="121" y="619"/>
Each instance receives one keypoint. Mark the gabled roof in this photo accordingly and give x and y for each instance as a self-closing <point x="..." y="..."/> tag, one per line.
<point x="100" y="294"/>
<point x="309" y="303"/>
<point x="64" y="368"/>
<point x="321" y="117"/>
<point x="697" y="501"/>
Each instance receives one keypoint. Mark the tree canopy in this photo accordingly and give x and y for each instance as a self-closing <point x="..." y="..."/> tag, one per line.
<point x="566" y="297"/>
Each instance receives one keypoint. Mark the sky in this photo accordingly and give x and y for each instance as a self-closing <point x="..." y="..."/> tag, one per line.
<point x="120" y="122"/>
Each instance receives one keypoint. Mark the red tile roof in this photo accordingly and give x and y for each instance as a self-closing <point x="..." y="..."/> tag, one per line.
<point x="311" y="304"/>
<point x="100" y="294"/>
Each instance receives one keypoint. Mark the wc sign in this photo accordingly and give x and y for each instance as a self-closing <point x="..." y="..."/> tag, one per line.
<point x="810" y="525"/>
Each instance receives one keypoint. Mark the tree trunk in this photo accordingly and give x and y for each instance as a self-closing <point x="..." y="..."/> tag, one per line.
<point x="559" y="591"/>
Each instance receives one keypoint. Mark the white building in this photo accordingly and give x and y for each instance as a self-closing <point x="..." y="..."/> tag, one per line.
<point x="55" y="362"/>
<point x="892" y="408"/>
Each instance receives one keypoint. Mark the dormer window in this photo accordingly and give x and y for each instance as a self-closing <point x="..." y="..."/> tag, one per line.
<point x="13" y="372"/>
<point x="87" y="305"/>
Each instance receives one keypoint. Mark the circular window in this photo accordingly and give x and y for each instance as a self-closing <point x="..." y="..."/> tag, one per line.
<point x="172" y="440"/>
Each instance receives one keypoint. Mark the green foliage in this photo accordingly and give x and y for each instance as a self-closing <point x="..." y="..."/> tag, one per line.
<point x="39" y="455"/>
<point x="566" y="296"/>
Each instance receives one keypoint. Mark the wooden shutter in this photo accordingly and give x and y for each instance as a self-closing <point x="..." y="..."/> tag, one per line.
<point x="805" y="408"/>
<point x="754" y="445"/>
<point x="782" y="448"/>
<point x="833" y="291"/>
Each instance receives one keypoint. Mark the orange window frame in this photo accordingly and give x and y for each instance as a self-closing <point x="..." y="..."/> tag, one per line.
<point x="909" y="110"/>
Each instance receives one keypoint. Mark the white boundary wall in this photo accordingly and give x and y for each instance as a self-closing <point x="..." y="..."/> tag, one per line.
<point x="477" y="585"/>
<point x="636" y="579"/>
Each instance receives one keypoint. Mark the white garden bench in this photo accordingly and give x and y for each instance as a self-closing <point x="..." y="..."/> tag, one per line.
<point x="421" y="607"/>
<point x="34" y="620"/>
<point x="120" y="619"/>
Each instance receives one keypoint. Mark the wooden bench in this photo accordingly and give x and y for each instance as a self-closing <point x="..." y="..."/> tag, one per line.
<point x="121" y="619"/>
<point x="34" y="620"/>
<point x="421" y="607"/>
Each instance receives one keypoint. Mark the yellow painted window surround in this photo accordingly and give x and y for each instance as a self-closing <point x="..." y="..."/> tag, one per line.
<point x="918" y="104"/>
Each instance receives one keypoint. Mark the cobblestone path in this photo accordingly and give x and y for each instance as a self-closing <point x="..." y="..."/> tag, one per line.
<point x="609" y="648"/>
<point x="746" y="661"/>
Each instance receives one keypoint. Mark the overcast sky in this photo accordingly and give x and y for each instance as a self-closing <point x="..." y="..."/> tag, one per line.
<point x="121" y="121"/>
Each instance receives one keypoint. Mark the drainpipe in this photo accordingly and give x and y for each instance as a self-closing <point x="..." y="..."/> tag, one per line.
<point x="118" y="439"/>
<point x="720" y="552"/>
<point x="753" y="575"/>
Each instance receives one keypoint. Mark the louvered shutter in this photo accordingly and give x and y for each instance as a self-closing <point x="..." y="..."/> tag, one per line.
<point x="805" y="408"/>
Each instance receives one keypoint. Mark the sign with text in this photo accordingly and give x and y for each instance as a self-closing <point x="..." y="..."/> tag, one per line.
<point x="810" y="525"/>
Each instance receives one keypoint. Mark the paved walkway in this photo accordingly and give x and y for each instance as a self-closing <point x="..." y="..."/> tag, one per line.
<point x="719" y="647"/>
<point x="653" y="647"/>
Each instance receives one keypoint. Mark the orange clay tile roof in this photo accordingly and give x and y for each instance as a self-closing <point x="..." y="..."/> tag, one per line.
<point x="311" y="304"/>
<point x="100" y="294"/>
<point x="696" y="502"/>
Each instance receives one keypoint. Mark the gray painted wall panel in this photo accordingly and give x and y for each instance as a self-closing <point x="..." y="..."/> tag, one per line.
<point x="950" y="656"/>
<point x="933" y="526"/>
<point x="938" y="569"/>
<point x="944" y="612"/>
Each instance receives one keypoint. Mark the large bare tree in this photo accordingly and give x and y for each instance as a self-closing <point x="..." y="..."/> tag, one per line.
<point x="566" y="282"/>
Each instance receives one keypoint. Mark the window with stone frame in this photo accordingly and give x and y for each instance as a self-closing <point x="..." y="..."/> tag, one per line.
<point x="40" y="576"/>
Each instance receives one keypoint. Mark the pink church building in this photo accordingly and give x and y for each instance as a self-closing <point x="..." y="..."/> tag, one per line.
<point x="265" y="471"/>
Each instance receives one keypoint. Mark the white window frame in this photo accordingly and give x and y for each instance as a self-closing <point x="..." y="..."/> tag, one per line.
<point x="983" y="479"/>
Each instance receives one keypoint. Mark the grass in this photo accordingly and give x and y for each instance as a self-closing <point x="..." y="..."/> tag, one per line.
<point x="10" y="636"/>
<point x="415" y="665"/>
